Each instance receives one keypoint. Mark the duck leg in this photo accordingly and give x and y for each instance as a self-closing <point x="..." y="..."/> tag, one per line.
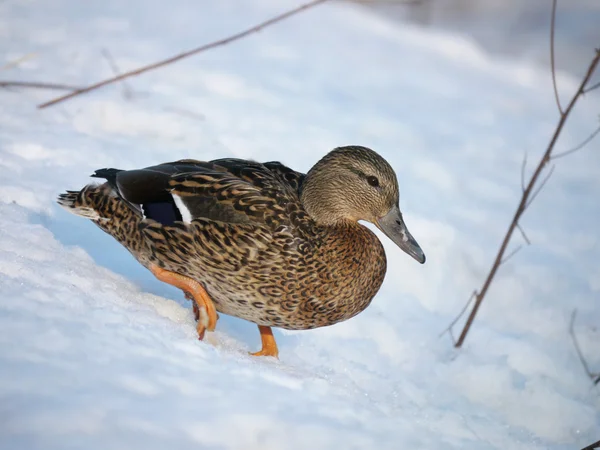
<point x="269" y="346"/>
<point x="194" y="306"/>
<point x="207" y="313"/>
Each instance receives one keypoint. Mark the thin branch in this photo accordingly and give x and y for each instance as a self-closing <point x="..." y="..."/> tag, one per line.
<point x="457" y="318"/>
<point x="539" y="189"/>
<point x="172" y="59"/>
<point x="511" y="254"/>
<point x="36" y="85"/>
<point x="552" y="66"/>
<point x="591" y="88"/>
<point x="185" y="113"/>
<point x="523" y="234"/>
<point x="525" y="198"/>
<point x="523" y="172"/>
<point x="451" y="333"/>
<point x="593" y="446"/>
<point x="127" y="91"/>
<point x="594" y="376"/>
<point x="16" y="62"/>
<point x="580" y="146"/>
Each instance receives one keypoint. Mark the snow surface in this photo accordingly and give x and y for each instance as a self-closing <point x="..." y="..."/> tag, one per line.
<point x="96" y="354"/>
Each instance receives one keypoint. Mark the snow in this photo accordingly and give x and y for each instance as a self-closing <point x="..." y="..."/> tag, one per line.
<point x="95" y="353"/>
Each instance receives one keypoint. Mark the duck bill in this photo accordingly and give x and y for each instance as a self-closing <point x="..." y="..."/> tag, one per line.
<point x="394" y="227"/>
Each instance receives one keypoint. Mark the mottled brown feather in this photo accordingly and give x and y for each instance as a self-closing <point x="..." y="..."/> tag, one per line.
<point x="251" y="243"/>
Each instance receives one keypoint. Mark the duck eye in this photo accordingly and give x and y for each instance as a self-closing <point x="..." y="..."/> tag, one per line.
<point x="373" y="181"/>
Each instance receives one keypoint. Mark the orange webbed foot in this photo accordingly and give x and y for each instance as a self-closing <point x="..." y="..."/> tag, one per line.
<point x="204" y="309"/>
<point x="269" y="346"/>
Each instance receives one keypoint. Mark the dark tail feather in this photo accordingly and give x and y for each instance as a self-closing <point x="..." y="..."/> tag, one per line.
<point x="109" y="175"/>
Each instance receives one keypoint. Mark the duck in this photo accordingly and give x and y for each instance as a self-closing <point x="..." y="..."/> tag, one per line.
<point x="257" y="241"/>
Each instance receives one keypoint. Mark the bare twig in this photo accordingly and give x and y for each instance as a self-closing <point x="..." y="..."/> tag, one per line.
<point x="16" y="62"/>
<point x="172" y="59"/>
<point x="525" y="198"/>
<point x="127" y="91"/>
<point x="523" y="172"/>
<point x="580" y="146"/>
<point x="595" y="377"/>
<point x="457" y="318"/>
<point x="593" y="446"/>
<point x="591" y="88"/>
<point x="523" y="234"/>
<point x="511" y="254"/>
<point x="539" y="189"/>
<point x="36" y="85"/>
<point x="552" y="26"/>
<point x="185" y="113"/>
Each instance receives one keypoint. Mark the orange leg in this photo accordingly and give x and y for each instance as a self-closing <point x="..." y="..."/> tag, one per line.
<point x="207" y="314"/>
<point x="194" y="306"/>
<point x="269" y="346"/>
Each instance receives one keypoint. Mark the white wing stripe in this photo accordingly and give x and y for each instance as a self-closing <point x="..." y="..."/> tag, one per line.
<point x="183" y="210"/>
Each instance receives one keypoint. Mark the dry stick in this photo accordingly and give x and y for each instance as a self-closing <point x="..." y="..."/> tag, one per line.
<point x="524" y="203"/>
<point x="16" y="62"/>
<point x="523" y="172"/>
<point x="525" y="238"/>
<point x="127" y="91"/>
<point x="456" y="319"/>
<point x="594" y="376"/>
<point x="539" y="189"/>
<point x="580" y="146"/>
<point x="593" y="446"/>
<point x="183" y="55"/>
<point x="591" y="88"/>
<point x="35" y="85"/>
<point x="185" y="113"/>
<point x="511" y="254"/>
<point x="552" y="25"/>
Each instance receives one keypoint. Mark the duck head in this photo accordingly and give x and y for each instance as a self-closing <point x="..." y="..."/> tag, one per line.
<point x="355" y="183"/>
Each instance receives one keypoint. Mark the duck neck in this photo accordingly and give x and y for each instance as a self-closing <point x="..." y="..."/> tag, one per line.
<point x="321" y="197"/>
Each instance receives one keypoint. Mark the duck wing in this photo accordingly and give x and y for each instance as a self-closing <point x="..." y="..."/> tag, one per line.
<point x="228" y="190"/>
<point x="248" y="191"/>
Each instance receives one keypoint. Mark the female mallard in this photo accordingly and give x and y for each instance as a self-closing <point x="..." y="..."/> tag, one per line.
<point x="257" y="241"/>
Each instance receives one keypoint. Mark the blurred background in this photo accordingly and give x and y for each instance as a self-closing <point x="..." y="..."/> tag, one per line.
<point x="515" y="29"/>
